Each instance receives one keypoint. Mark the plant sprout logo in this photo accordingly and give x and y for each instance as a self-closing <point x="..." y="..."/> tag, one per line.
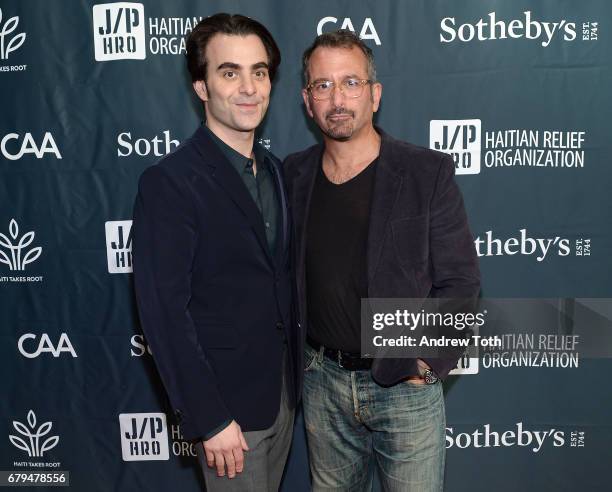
<point x="15" y="261"/>
<point x="8" y="45"/>
<point x="33" y="444"/>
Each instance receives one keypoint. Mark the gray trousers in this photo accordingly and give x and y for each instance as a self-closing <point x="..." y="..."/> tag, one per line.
<point x="264" y="462"/>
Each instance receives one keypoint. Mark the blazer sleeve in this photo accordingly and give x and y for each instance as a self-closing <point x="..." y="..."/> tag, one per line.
<point x="455" y="272"/>
<point x="164" y="236"/>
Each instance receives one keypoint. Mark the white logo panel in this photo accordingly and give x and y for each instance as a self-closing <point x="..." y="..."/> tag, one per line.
<point x="119" y="246"/>
<point x="119" y="31"/>
<point x="144" y="436"/>
<point x="466" y="365"/>
<point x="459" y="138"/>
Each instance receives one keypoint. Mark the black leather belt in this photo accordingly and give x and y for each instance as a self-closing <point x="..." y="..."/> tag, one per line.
<point x="347" y="360"/>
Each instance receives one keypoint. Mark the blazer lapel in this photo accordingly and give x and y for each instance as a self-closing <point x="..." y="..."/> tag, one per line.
<point x="303" y="185"/>
<point x="227" y="177"/>
<point x="283" y="203"/>
<point x="387" y="185"/>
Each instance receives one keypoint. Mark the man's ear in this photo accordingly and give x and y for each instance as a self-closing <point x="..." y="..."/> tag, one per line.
<point x="306" y="98"/>
<point x="199" y="86"/>
<point x="376" y="95"/>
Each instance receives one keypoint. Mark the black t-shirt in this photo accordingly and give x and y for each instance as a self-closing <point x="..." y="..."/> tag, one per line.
<point x="336" y="268"/>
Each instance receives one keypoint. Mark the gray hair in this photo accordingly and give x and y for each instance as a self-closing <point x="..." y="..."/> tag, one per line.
<point x="343" y="38"/>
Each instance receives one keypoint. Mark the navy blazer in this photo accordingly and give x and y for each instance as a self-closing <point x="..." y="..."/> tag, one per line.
<point x="213" y="301"/>
<point x="419" y="242"/>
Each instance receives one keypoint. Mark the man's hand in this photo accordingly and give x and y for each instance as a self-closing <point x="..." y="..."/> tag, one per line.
<point x="422" y="367"/>
<point x="225" y="448"/>
<point x="415" y="380"/>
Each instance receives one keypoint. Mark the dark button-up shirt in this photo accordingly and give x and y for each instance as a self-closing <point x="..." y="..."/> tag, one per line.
<point x="260" y="186"/>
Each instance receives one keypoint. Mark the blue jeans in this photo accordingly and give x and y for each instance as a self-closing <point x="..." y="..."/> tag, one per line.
<point x="352" y="422"/>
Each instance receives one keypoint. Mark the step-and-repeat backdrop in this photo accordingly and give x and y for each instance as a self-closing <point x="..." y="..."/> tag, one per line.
<point x="93" y="93"/>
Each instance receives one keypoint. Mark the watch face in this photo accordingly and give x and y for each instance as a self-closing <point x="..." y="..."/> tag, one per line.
<point x="430" y="377"/>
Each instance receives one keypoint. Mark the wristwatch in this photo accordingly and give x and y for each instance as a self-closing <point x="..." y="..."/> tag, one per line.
<point x="426" y="372"/>
<point x="430" y="377"/>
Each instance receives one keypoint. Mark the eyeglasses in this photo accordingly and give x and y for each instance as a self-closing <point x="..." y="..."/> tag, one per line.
<point x="323" y="89"/>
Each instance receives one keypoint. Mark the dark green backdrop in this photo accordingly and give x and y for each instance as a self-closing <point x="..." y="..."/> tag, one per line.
<point x="518" y="91"/>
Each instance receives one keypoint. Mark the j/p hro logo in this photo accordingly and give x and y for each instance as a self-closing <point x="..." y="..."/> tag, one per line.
<point x="459" y="138"/>
<point x="119" y="31"/>
<point x="466" y="365"/>
<point x="144" y="436"/>
<point x="473" y="147"/>
<point x="119" y="246"/>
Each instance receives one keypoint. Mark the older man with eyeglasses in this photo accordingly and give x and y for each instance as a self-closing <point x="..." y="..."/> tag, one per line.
<point x="374" y="217"/>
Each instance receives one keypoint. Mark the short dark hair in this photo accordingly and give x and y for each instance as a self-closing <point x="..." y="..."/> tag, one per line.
<point x="342" y="38"/>
<point x="236" y="25"/>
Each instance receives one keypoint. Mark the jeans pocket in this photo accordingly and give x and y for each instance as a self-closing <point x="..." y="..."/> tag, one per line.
<point x="310" y="358"/>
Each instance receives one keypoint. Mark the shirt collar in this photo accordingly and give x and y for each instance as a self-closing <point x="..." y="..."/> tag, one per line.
<point x="236" y="159"/>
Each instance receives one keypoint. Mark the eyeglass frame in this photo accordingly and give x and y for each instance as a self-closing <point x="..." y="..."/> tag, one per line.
<point x="362" y="84"/>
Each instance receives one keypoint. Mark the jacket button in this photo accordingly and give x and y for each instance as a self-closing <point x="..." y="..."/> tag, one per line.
<point x="279" y="326"/>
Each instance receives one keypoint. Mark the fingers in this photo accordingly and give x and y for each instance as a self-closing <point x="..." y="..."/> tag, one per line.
<point x="415" y="380"/>
<point x="239" y="460"/>
<point x="231" y="464"/>
<point x="225" y="451"/>
<point x="210" y="457"/>
<point x="245" y="447"/>
<point x="220" y="463"/>
<point x="232" y="459"/>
